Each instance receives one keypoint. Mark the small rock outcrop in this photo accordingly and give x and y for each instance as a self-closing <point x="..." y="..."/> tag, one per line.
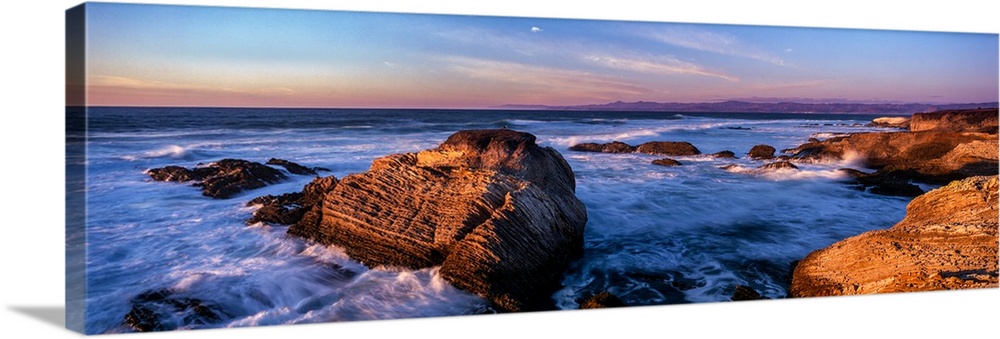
<point x="890" y="122"/>
<point x="761" y="152"/>
<point x="602" y="300"/>
<point x="948" y="240"/>
<point x="780" y="165"/>
<point x="611" y="147"/>
<point x="221" y="179"/>
<point x="726" y="154"/>
<point x="496" y="211"/>
<point x="668" y="148"/>
<point x="666" y="162"/>
<point x="971" y="120"/>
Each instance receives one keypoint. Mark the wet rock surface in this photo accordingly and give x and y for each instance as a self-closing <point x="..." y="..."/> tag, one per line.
<point x="669" y="148"/>
<point x="666" y="162"/>
<point x="611" y="147"/>
<point x="164" y="310"/>
<point x="292" y="208"/>
<point x="779" y="165"/>
<point x="294" y="168"/>
<point x="761" y="152"/>
<point x="726" y="154"/>
<point x="221" y="179"/>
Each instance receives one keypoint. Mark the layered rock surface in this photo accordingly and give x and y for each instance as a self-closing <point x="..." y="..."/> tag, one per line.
<point x="973" y="120"/>
<point x="928" y="156"/>
<point x="941" y="147"/>
<point x="497" y="212"/>
<point x="948" y="240"/>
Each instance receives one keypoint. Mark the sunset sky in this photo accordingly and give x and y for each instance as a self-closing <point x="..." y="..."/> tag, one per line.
<point x="145" y="55"/>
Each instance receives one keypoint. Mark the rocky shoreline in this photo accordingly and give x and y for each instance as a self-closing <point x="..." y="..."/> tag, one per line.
<point x="499" y="214"/>
<point x="948" y="239"/>
<point x="959" y="147"/>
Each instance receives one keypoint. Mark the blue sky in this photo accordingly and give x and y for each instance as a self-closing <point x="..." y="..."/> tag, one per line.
<point x="212" y="56"/>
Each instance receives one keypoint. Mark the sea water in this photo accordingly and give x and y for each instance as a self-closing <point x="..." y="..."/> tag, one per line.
<point x="655" y="235"/>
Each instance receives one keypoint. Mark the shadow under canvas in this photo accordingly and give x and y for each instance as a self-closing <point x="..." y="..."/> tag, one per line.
<point x="52" y="315"/>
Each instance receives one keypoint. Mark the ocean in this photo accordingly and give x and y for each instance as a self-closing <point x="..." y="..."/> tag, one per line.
<point x="655" y="235"/>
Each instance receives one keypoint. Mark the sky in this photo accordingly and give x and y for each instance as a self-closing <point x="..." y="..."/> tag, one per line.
<point x="149" y="55"/>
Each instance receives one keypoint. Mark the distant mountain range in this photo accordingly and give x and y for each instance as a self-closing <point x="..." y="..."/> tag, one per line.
<point x="761" y="107"/>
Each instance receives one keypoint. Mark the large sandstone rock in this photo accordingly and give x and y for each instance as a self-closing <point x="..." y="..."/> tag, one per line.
<point x="948" y="240"/>
<point x="497" y="212"/>
<point x="972" y="120"/>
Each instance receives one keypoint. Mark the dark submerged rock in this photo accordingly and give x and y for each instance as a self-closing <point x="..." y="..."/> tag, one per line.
<point x="884" y="182"/>
<point x="496" y="211"/>
<point x="743" y="293"/>
<point x="780" y="165"/>
<point x="291" y="166"/>
<point x="163" y="310"/>
<point x="670" y="148"/>
<point x="602" y="300"/>
<point x="292" y="208"/>
<point x="666" y="162"/>
<point x="761" y="152"/>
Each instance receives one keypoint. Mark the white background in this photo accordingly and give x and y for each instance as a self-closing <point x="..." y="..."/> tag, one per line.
<point x="31" y="102"/>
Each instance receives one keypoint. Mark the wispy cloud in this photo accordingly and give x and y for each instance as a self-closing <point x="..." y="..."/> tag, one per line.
<point x="665" y="65"/>
<point x="540" y="81"/>
<point x="131" y="83"/>
<point x="708" y="41"/>
<point x="535" y="29"/>
<point x="622" y="58"/>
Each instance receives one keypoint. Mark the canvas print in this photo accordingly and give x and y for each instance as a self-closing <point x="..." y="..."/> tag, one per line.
<point x="238" y="167"/>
